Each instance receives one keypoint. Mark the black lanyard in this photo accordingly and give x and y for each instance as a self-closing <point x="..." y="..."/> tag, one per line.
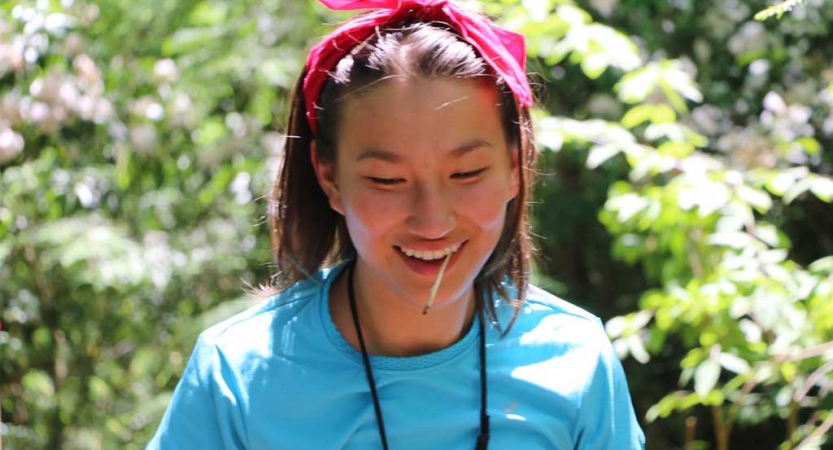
<point x="482" y="438"/>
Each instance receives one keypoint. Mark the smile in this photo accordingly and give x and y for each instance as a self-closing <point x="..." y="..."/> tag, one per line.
<point x="431" y="255"/>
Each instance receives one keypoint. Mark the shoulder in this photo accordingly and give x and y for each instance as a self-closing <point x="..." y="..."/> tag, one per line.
<point x="256" y="330"/>
<point x="540" y="300"/>
<point x="567" y="334"/>
<point x="285" y="304"/>
<point x="551" y="317"/>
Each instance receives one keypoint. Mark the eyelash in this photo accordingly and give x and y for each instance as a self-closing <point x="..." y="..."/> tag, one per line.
<point x="469" y="174"/>
<point x="395" y="181"/>
<point x="385" y="181"/>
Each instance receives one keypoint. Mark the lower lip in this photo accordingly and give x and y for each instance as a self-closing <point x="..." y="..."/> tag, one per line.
<point x="430" y="268"/>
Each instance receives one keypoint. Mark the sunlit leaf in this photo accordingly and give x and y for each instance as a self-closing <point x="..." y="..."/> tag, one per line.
<point x="734" y="239"/>
<point x="788" y="371"/>
<point x="637" y="349"/>
<point x="601" y="153"/>
<point x="627" y="205"/>
<point x="706" y="376"/>
<point x="637" y="115"/>
<point x="655" y="114"/>
<point x="681" y="82"/>
<point x="777" y="10"/>
<point x="733" y="363"/>
<point x="635" y="87"/>
<point x="780" y="182"/>
<point x="755" y="197"/>
<point x="822" y="187"/>
<point x="823" y="265"/>
<point x="187" y="39"/>
<point x="666" y="76"/>
<point x="615" y="326"/>
<point x="800" y="187"/>
<point x="573" y="15"/>
<point x="750" y="330"/>
<point x="810" y="145"/>
<point x="208" y="14"/>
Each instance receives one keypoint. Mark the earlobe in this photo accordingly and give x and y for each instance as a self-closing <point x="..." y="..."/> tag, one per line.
<point x="325" y="174"/>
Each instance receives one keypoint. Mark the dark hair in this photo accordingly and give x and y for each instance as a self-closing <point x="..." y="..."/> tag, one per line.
<point x="307" y="234"/>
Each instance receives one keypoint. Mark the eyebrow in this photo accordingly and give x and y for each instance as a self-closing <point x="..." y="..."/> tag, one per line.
<point x="391" y="157"/>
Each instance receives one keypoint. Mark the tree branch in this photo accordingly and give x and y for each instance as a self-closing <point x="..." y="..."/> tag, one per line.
<point x="818" y="434"/>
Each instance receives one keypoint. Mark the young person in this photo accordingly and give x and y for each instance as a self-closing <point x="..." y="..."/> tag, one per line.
<point x="404" y="317"/>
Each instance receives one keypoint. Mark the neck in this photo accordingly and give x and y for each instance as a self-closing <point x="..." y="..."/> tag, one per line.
<point x="395" y="327"/>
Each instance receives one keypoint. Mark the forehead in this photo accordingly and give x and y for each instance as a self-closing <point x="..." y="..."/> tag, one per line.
<point x="406" y="116"/>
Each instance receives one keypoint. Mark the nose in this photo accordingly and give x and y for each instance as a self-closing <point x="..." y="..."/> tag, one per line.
<point x="432" y="214"/>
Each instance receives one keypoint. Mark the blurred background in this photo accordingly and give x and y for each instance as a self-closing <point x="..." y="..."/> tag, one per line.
<point x="684" y="198"/>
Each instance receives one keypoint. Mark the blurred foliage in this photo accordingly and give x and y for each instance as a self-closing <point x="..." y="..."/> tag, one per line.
<point x="685" y="190"/>
<point x="777" y="10"/>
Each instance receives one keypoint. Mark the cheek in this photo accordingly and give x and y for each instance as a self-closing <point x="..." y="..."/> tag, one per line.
<point x="368" y="214"/>
<point x="481" y="207"/>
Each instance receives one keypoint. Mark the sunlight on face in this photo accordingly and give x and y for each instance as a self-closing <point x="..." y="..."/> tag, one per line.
<point x="422" y="170"/>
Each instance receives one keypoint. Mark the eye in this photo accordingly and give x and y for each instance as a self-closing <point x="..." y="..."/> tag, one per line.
<point x="469" y="174"/>
<point x="386" y="181"/>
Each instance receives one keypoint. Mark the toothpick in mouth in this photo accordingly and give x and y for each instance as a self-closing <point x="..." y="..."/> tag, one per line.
<point x="436" y="286"/>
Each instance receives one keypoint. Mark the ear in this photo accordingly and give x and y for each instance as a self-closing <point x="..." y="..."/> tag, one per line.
<point x="515" y="174"/>
<point x="325" y="173"/>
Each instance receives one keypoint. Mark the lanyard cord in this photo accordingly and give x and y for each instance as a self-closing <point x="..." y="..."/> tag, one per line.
<point x="482" y="438"/>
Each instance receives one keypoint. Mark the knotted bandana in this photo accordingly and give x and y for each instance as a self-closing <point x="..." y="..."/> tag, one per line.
<point x="503" y="50"/>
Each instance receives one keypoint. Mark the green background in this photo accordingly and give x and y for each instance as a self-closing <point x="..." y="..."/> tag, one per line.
<point x="684" y="197"/>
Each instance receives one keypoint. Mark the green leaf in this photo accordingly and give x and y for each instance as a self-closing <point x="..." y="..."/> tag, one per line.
<point x="208" y="14"/>
<point x="800" y="187"/>
<point x="788" y="370"/>
<point x="705" y="377"/>
<point x="187" y="40"/>
<point x="759" y="199"/>
<point x="682" y="83"/>
<point x="708" y="337"/>
<point x="261" y="105"/>
<point x="594" y="64"/>
<point x="95" y="251"/>
<point x="767" y="233"/>
<point x="671" y="402"/>
<point x="627" y="206"/>
<point x="601" y="153"/>
<point x="637" y="115"/>
<point x="673" y="97"/>
<point x="777" y="10"/>
<point x="714" y="398"/>
<point x="211" y="132"/>
<point x="278" y="72"/>
<point x="635" y="86"/>
<point x="733" y="363"/>
<point x="656" y="114"/>
<point x="822" y="187"/>
<point x="823" y="265"/>
<point x="637" y="349"/>
<point x="5" y="251"/>
<point x="780" y="182"/>
<point x="615" y="326"/>
<point x="573" y="15"/>
<point x="38" y="383"/>
<point x="677" y="150"/>
<point x="618" y="49"/>
<point x="811" y="146"/>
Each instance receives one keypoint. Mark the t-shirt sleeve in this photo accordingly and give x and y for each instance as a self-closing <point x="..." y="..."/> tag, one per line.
<point x="204" y="412"/>
<point x="607" y="420"/>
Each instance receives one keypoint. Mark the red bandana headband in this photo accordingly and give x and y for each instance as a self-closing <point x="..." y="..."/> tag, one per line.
<point x="504" y="50"/>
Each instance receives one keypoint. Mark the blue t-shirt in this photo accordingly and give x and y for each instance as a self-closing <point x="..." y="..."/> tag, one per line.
<point x="281" y="376"/>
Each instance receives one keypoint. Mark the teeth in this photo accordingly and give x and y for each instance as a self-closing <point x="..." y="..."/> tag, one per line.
<point x="429" y="255"/>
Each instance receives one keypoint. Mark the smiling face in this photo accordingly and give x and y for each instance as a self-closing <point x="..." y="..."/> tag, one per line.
<point x="422" y="170"/>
